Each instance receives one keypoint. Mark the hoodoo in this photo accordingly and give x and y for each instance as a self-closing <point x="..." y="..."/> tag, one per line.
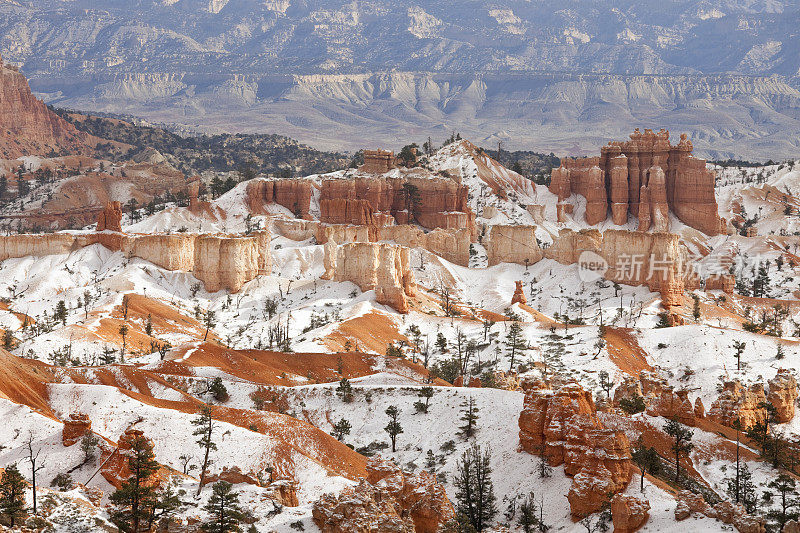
<point x="646" y="177"/>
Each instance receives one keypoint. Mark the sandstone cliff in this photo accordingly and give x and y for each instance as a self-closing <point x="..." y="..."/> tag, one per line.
<point x="513" y="244"/>
<point x="633" y="257"/>
<point x="562" y="427"/>
<point x="27" y="127"/>
<point x="381" y="267"/>
<point x="645" y="176"/>
<point x="219" y="261"/>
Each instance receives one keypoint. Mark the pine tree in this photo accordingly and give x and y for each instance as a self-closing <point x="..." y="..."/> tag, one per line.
<point x="393" y="428"/>
<point x="123" y="331"/>
<point x="605" y="382"/>
<point x="739" y="346"/>
<point x="785" y="486"/>
<point x="205" y="430"/>
<point x="209" y="320"/>
<point x="470" y="418"/>
<point x="761" y="283"/>
<point x="647" y="460"/>
<point x="427" y="394"/>
<point x="515" y="342"/>
<point x="528" y="519"/>
<point x="135" y="498"/>
<point x="341" y="429"/>
<point x="60" y="313"/>
<point x="218" y="390"/>
<point x="12" y="495"/>
<point x="741" y="489"/>
<point x="682" y="445"/>
<point x="441" y="343"/>
<point x="544" y="468"/>
<point x="166" y="503"/>
<point x="345" y="391"/>
<point x="223" y="508"/>
<point x="430" y="462"/>
<point x="696" y="307"/>
<point x="475" y="498"/>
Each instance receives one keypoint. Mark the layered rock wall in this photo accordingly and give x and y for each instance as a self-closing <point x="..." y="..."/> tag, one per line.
<point x="645" y="176"/>
<point x="633" y="257"/>
<point x="563" y="427"/>
<point x="219" y="261"/>
<point x="381" y="267"/>
<point x="513" y="244"/>
<point x="27" y="127"/>
<point x="431" y="201"/>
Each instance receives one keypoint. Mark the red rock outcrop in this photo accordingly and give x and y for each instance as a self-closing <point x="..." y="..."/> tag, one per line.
<point x="724" y="282"/>
<point x="513" y="244"/>
<point x="27" y="126"/>
<point x="657" y="177"/>
<point x="782" y="395"/>
<point x="381" y="267"/>
<point x="346" y="211"/>
<point x="232" y="475"/>
<point x="689" y="503"/>
<point x="419" y="495"/>
<point x="629" y="513"/>
<point x="738" y="402"/>
<point x="377" y="161"/>
<point x="360" y="509"/>
<point x="563" y="426"/>
<point x="293" y="194"/>
<point x="285" y="492"/>
<point x="75" y="426"/>
<point x="110" y="218"/>
<point x="660" y="398"/>
<point x="115" y="470"/>
<point x="519" y="294"/>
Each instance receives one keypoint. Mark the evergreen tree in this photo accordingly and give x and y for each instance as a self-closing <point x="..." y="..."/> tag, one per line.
<point x="475" y="498"/>
<point x="393" y="428"/>
<point x="528" y="519"/>
<point x="427" y="394"/>
<point x="785" y="486"/>
<point x="741" y="489"/>
<point x="218" y="390"/>
<point x="12" y="495"/>
<point x="345" y="391"/>
<point x="205" y="430"/>
<point x="430" y="462"/>
<point x="696" y="307"/>
<point x="209" y="320"/>
<point x="469" y="416"/>
<point x="544" y="468"/>
<point x="341" y="429"/>
<point x="739" y="346"/>
<point x="134" y="499"/>
<point x="761" y="283"/>
<point x="166" y="503"/>
<point x="647" y="460"/>
<point x="123" y="331"/>
<point x="682" y="445"/>
<point x="606" y="383"/>
<point x="515" y="342"/>
<point x="441" y="343"/>
<point x="60" y="313"/>
<point x="224" y="510"/>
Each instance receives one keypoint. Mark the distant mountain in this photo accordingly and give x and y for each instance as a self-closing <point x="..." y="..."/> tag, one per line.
<point x="548" y="76"/>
